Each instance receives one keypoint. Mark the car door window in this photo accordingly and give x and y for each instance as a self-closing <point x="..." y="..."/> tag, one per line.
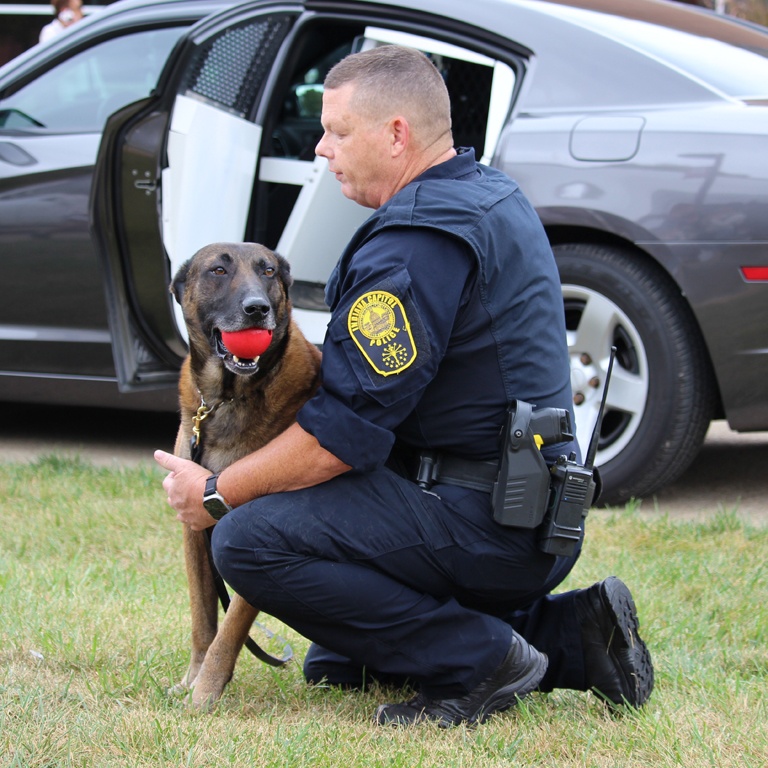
<point x="79" y="94"/>
<point x="231" y="68"/>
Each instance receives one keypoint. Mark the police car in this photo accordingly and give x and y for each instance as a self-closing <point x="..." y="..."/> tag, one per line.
<point x="638" y="130"/>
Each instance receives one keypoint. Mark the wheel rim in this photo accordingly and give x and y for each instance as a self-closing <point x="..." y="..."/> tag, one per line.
<point x="593" y="325"/>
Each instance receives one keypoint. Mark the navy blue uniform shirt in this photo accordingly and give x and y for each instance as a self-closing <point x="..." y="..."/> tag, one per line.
<point x="446" y="306"/>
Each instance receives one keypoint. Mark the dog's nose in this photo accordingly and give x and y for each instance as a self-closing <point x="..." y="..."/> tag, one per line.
<point x="256" y="305"/>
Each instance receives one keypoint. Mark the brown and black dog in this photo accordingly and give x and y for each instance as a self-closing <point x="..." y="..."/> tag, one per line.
<point x="238" y="404"/>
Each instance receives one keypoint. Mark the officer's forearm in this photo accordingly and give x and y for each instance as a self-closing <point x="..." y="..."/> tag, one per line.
<point x="292" y="461"/>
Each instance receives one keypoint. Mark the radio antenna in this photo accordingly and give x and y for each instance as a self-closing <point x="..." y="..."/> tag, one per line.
<point x="592" y="450"/>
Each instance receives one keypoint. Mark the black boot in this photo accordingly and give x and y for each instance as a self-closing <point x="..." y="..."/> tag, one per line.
<point x="617" y="663"/>
<point x="519" y="674"/>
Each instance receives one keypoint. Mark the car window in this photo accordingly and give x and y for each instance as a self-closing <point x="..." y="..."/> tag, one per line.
<point x="232" y="67"/>
<point x="81" y="92"/>
<point x="735" y="71"/>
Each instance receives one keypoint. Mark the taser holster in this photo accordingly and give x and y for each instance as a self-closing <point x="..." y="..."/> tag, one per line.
<point x="523" y="486"/>
<point x="520" y="494"/>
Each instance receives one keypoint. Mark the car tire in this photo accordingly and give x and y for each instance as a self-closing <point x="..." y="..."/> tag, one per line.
<point x="662" y="394"/>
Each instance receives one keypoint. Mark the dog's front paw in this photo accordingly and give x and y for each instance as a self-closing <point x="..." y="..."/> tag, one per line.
<point x="201" y="700"/>
<point x="208" y="687"/>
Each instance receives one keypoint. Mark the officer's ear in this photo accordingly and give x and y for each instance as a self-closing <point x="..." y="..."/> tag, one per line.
<point x="400" y="133"/>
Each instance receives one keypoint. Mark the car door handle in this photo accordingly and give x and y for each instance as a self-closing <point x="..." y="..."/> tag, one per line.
<point x="148" y="185"/>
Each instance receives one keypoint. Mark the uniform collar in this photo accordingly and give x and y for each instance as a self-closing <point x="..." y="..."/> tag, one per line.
<point x="463" y="164"/>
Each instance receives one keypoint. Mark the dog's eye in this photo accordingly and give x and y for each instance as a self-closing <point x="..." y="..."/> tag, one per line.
<point x="270" y="271"/>
<point x="218" y="270"/>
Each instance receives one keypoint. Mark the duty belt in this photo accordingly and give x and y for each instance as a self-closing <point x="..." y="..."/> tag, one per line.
<point x="436" y="467"/>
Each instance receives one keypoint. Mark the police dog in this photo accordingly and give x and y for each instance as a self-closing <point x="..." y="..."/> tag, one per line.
<point x="238" y="405"/>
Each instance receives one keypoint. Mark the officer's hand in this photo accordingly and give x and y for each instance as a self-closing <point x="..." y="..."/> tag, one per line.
<point x="185" y="485"/>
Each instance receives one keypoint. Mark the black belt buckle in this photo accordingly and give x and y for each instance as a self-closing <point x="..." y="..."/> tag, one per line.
<point x="429" y="469"/>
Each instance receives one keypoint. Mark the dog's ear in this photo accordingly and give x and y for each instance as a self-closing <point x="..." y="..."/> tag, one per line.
<point x="180" y="281"/>
<point x="284" y="271"/>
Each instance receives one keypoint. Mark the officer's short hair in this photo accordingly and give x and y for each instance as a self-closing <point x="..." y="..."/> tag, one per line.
<point x="393" y="79"/>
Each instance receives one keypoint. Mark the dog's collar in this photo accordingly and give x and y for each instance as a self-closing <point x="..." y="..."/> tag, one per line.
<point x="203" y="412"/>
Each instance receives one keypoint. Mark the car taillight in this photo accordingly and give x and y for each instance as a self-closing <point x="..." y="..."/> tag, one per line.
<point x="755" y="273"/>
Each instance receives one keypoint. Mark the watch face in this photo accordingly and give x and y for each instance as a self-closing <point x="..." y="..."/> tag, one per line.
<point x="216" y="507"/>
<point x="213" y="501"/>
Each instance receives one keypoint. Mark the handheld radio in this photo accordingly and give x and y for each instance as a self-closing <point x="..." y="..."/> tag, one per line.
<point x="572" y="490"/>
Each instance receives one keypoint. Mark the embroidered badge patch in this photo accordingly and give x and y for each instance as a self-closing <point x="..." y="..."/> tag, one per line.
<point x="378" y="324"/>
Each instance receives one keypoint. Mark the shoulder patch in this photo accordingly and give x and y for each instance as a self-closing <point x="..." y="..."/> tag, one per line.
<point x="379" y="327"/>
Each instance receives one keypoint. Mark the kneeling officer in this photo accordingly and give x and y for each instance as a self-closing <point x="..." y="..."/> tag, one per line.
<point x="446" y="309"/>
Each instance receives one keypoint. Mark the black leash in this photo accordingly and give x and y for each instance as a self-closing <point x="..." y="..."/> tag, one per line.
<point x="195" y="450"/>
<point x="250" y="643"/>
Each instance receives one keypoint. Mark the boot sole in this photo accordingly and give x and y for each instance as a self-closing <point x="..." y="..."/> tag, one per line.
<point x="638" y="676"/>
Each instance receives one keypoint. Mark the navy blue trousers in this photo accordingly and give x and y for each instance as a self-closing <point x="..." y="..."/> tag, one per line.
<point x="393" y="582"/>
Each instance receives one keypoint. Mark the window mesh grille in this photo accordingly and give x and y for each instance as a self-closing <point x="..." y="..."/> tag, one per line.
<point x="469" y="86"/>
<point x="231" y="68"/>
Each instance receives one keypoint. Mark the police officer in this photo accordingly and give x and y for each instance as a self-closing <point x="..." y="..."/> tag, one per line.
<point x="367" y="525"/>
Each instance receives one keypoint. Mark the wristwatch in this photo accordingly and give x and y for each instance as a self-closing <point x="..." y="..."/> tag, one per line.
<point x="213" y="501"/>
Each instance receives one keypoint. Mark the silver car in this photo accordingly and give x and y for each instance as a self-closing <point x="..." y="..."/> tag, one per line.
<point x="638" y="130"/>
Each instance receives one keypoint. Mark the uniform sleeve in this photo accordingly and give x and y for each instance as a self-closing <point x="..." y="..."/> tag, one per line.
<point x="398" y="304"/>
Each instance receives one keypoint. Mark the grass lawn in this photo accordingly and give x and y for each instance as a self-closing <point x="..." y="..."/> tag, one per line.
<point x="94" y="629"/>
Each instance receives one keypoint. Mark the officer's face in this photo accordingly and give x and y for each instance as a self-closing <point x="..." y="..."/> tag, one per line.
<point x="358" y="149"/>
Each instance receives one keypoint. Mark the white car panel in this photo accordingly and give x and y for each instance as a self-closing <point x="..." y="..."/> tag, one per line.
<point x="206" y="188"/>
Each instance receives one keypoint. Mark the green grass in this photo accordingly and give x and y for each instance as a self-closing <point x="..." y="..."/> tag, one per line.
<point x="94" y="629"/>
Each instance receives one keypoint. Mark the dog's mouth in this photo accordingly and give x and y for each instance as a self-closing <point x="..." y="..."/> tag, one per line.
<point x="245" y="363"/>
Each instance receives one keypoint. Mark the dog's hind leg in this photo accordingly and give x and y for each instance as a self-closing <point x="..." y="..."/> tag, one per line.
<point x="203" y="601"/>
<point x="222" y="654"/>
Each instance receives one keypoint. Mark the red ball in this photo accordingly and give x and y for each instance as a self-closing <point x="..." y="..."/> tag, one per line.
<point x="247" y="344"/>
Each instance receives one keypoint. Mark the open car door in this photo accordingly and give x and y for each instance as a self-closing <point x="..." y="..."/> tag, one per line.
<point x="225" y="152"/>
<point x="176" y="172"/>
